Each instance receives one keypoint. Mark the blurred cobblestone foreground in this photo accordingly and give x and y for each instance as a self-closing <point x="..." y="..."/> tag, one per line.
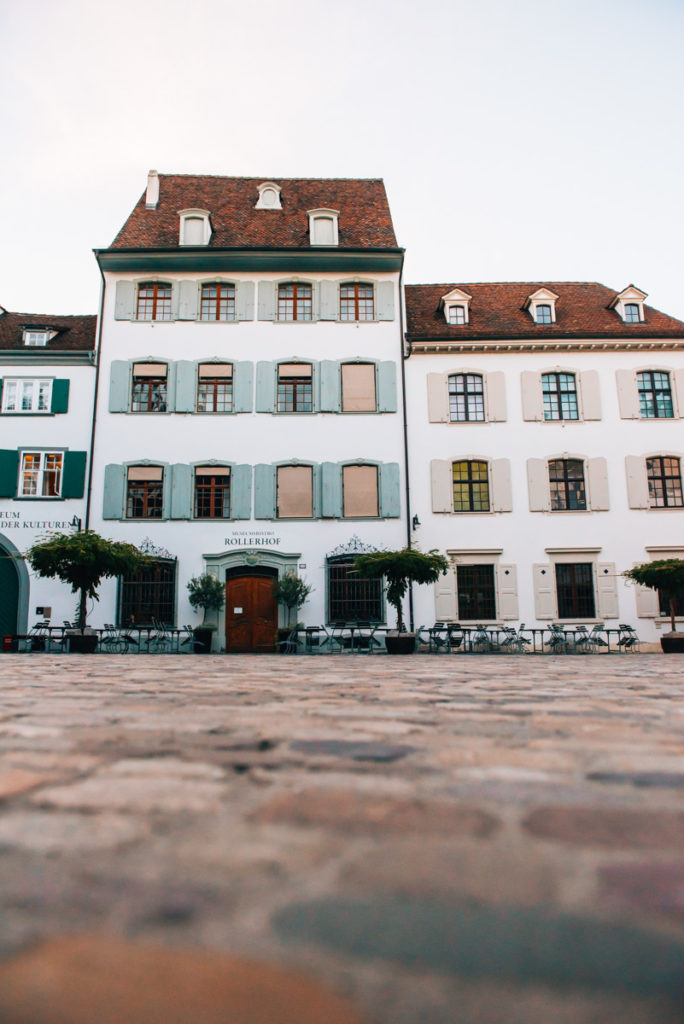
<point x="278" y="840"/>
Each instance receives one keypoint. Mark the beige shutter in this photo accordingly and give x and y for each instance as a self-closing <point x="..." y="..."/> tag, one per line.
<point x="597" y="485"/>
<point x="295" y="492"/>
<point x="678" y="389"/>
<point x="445" y="598"/>
<point x="538" y="485"/>
<point x="590" y="395"/>
<point x="442" y="485"/>
<point x="360" y="490"/>
<point x="532" y="401"/>
<point x="647" y="601"/>
<point x="438" y="398"/>
<point x="628" y="396"/>
<point x="637" y="481"/>
<point x="501" y="496"/>
<point x="358" y="387"/>
<point x="544" y="592"/>
<point x="606" y="584"/>
<point x="495" y="386"/>
<point x="507" y="586"/>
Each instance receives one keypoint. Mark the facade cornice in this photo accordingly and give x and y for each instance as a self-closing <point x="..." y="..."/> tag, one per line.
<point x="24" y="357"/>
<point x="586" y="344"/>
<point x="242" y="258"/>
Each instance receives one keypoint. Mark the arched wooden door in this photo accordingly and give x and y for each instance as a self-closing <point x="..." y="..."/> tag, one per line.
<point x="251" y="614"/>
<point x="9" y="594"/>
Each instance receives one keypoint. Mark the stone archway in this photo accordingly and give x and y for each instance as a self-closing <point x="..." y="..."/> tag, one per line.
<point x="14" y="589"/>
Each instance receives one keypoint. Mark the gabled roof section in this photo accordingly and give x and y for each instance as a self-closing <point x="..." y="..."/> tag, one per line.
<point x="365" y="221"/>
<point x="74" y="333"/>
<point x="455" y="295"/>
<point x="631" y="292"/>
<point x="541" y="295"/>
<point x="497" y="312"/>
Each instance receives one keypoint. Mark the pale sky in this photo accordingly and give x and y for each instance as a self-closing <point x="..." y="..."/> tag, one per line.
<point x="520" y="140"/>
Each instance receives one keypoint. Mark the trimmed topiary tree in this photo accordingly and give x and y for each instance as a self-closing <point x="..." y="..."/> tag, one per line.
<point x="399" y="569"/>
<point x="666" y="576"/>
<point x="208" y="593"/>
<point x="292" y="591"/>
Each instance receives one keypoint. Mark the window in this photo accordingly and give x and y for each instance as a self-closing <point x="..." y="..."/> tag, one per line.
<point x="356" y="302"/>
<point x="212" y="492"/>
<point x="456" y="306"/>
<point x="144" y="492"/>
<point x="471" y="486"/>
<point x="566" y="481"/>
<point x="575" y="590"/>
<point x="664" y="482"/>
<point x="358" y="387"/>
<point x="559" y="391"/>
<point x="217" y="302"/>
<point x="543" y="314"/>
<point x="295" y="302"/>
<point x="26" y="395"/>
<point x="323" y="227"/>
<point x="195" y="228"/>
<point x="269" y="196"/>
<point x="466" y="397"/>
<point x="632" y="313"/>
<point x="360" y="491"/>
<point x="295" y="393"/>
<point x="35" y="339"/>
<point x="154" y="301"/>
<point x="655" y="395"/>
<point x="41" y="474"/>
<point x="215" y="387"/>
<point x="476" y="592"/>
<point x="294" y="492"/>
<point x="350" y="598"/>
<point x="149" y="595"/>
<point x="457" y="315"/>
<point x="664" y="606"/>
<point x="149" y="387"/>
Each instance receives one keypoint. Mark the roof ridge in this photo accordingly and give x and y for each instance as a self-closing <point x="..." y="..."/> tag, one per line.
<point x="256" y="177"/>
<point x="456" y="284"/>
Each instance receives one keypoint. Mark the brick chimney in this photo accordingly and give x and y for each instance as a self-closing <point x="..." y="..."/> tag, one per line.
<point x="152" y="196"/>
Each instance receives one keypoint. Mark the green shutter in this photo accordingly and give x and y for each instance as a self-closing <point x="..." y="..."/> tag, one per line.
<point x="73" y="476"/>
<point x="124" y="304"/>
<point x="384" y="300"/>
<point x="267" y="300"/>
<point x="390" y="502"/>
<point x="186" y="386"/>
<point x="114" y="495"/>
<point x="386" y="375"/>
<point x="119" y="386"/>
<point x="60" y="396"/>
<point x="330" y="303"/>
<point x="9" y="472"/>
<point x="241" y="492"/>
<point x="264" y="492"/>
<point x="243" y="386"/>
<point x="181" y="481"/>
<point x="187" y="302"/>
<point x="329" y="372"/>
<point x="167" y="485"/>
<point x="331" y="490"/>
<point x="244" y="300"/>
<point x="170" y="387"/>
<point x="265" y="386"/>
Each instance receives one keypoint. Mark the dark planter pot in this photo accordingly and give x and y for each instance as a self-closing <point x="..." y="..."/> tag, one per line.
<point x="202" y="642"/>
<point x="400" y="643"/>
<point x="82" y="643"/>
<point x="672" y="643"/>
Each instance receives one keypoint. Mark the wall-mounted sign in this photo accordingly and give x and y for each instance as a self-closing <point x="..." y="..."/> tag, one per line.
<point x="252" y="539"/>
<point x="17" y="521"/>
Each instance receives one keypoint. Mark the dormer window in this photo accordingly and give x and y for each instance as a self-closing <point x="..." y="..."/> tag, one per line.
<point x="323" y="227"/>
<point x="629" y="305"/>
<point x="456" y="306"/>
<point x="195" y="228"/>
<point x="35" y="339"/>
<point x="541" y="306"/>
<point x="269" y="196"/>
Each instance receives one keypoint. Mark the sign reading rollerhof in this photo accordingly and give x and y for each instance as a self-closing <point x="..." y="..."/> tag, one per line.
<point x="252" y="539"/>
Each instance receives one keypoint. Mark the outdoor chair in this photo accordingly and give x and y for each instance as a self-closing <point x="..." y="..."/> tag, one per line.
<point x="558" y="641"/>
<point x="38" y="638"/>
<point x="439" y="638"/>
<point x="289" y="645"/>
<point x="482" y="642"/>
<point x="627" y="638"/>
<point x="340" y="637"/>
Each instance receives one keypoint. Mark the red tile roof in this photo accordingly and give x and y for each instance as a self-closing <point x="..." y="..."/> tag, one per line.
<point x="496" y="311"/>
<point x="364" y="222"/>
<point x="74" y="333"/>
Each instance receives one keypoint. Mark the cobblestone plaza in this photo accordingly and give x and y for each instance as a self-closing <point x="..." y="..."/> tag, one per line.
<point x="355" y="839"/>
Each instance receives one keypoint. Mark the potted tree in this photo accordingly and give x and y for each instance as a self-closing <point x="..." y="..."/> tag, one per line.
<point x="399" y="568"/>
<point x="208" y="593"/>
<point x="292" y="591"/>
<point x="83" y="559"/>
<point x="666" y="576"/>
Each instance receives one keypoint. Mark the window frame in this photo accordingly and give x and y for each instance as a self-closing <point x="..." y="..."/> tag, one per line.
<point x="655" y="391"/>
<point x="171" y="584"/>
<point x="150" y="379"/>
<point x="557" y="375"/>
<point x="230" y="299"/>
<point x="373" y="588"/>
<point x="566" y="481"/>
<point x="470" y="482"/>
<point x="295" y="465"/>
<point x="214" y="491"/>
<point x="19" y="382"/>
<point x="295" y="382"/>
<point x="194" y="214"/>
<point x="578" y="614"/>
<point x="464" y="377"/>
<point x="663" y="477"/>
<point x="356" y="299"/>
<point x="295" y="285"/>
<point x="37" y="333"/>
<point x="43" y="454"/>
<point x="216" y="382"/>
<point x="155" y="299"/>
<point x="475" y="568"/>
<point x="362" y="465"/>
<point x="358" y="362"/>
<point x="146" y="498"/>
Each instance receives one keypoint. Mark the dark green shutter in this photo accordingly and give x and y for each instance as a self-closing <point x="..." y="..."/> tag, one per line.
<point x="60" y="396"/>
<point x="73" y="477"/>
<point x="9" y="472"/>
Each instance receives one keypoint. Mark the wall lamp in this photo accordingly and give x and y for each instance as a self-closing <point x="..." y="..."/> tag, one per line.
<point x="415" y="522"/>
<point x="76" y="523"/>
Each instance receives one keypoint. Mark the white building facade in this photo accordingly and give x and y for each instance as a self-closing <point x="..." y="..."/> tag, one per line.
<point x="546" y="444"/>
<point x="249" y="417"/>
<point x="47" y="387"/>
